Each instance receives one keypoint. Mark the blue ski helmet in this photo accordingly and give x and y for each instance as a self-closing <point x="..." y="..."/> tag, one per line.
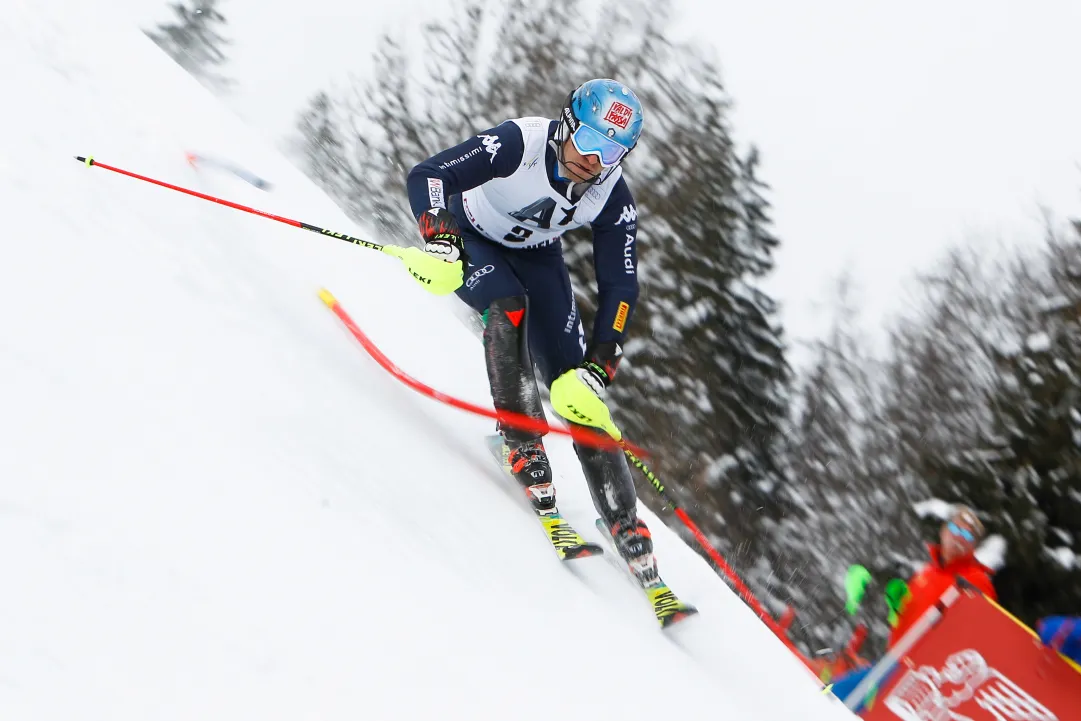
<point x="603" y="117"/>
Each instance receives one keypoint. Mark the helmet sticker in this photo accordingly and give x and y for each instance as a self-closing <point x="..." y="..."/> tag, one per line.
<point x="619" y="114"/>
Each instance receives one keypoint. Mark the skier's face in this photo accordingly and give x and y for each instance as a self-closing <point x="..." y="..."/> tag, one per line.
<point x="582" y="168"/>
<point x="958" y="540"/>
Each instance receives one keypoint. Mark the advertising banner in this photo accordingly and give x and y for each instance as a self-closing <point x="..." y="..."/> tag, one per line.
<point x="979" y="663"/>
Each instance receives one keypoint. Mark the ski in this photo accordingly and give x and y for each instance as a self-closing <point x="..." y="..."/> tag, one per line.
<point x="569" y="545"/>
<point x="666" y="605"/>
<point x="567" y="542"/>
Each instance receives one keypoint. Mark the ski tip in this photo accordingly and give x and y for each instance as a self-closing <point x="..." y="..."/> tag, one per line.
<point x="584" y="551"/>
<point x="675" y="617"/>
<point x="326" y="296"/>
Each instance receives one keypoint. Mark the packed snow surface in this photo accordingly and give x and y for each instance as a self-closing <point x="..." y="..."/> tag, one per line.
<point x="214" y="505"/>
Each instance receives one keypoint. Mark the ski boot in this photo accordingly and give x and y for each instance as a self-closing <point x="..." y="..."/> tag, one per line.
<point x="529" y="465"/>
<point x="635" y="544"/>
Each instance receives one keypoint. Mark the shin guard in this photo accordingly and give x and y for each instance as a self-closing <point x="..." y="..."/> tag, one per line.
<point x="610" y="484"/>
<point x="510" y="367"/>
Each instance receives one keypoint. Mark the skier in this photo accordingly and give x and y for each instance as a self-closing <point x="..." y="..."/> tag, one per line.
<point x="491" y="212"/>
<point x="951" y="560"/>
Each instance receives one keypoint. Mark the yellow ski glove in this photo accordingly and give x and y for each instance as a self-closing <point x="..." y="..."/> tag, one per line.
<point x="440" y="266"/>
<point x="437" y="275"/>
<point x="577" y="395"/>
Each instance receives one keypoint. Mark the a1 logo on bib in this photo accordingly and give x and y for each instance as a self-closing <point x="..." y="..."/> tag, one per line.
<point x="619" y="115"/>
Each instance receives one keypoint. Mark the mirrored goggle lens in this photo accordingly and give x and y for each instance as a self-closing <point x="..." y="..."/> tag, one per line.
<point x="962" y="532"/>
<point x="591" y="142"/>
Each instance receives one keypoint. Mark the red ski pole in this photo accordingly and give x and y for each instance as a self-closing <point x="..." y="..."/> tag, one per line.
<point x="91" y="163"/>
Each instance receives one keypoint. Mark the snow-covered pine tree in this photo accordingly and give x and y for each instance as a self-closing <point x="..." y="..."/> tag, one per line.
<point x="193" y="39"/>
<point x="1026" y="475"/>
<point x="704" y="380"/>
<point x="848" y="504"/>
<point x="319" y="145"/>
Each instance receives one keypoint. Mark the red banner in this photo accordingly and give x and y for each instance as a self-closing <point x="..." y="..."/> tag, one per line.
<point x="978" y="663"/>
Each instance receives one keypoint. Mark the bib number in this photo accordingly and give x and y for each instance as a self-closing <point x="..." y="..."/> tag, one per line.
<point x="518" y="234"/>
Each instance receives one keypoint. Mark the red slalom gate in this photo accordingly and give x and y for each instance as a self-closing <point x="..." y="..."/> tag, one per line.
<point x="514" y="420"/>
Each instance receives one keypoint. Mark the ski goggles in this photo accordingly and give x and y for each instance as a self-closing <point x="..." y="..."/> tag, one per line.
<point x="963" y="533"/>
<point x="593" y="142"/>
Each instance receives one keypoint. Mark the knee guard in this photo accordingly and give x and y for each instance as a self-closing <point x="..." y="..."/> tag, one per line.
<point x="510" y="367"/>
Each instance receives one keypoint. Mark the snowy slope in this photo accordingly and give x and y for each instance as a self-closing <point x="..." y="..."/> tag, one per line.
<point x="214" y="505"/>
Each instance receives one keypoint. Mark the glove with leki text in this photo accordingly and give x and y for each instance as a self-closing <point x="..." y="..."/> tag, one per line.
<point x="440" y="266"/>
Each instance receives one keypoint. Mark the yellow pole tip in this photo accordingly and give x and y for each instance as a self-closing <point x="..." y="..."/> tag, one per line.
<point x="326" y="297"/>
<point x="89" y="160"/>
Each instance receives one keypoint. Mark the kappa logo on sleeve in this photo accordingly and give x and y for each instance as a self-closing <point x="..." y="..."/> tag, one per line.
<point x="491" y="144"/>
<point x="629" y="215"/>
<point x="621" y="317"/>
<point x="435" y="193"/>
